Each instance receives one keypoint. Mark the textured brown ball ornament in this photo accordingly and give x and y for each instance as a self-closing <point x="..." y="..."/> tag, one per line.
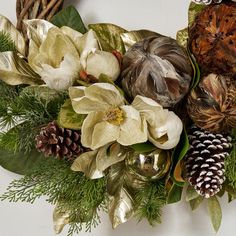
<point x="212" y="38"/>
<point x="212" y="105"/>
<point x="158" y="68"/>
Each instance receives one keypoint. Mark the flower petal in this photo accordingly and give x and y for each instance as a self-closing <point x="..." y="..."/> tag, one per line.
<point x="63" y="77"/>
<point x="173" y="128"/>
<point x="76" y="91"/>
<point x="52" y="50"/>
<point x="134" y="128"/>
<point x="88" y="126"/>
<point x="101" y="62"/>
<point x="105" y="93"/>
<point x="104" y="133"/>
<point x="150" y="110"/>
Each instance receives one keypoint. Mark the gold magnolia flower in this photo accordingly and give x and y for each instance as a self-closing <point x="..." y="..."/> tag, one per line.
<point x="164" y="127"/>
<point x="109" y="119"/>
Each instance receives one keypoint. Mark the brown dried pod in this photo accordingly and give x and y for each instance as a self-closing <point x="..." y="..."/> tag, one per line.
<point x="159" y="68"/>
<point x="212" y="105"/>
<point x="212" y="38"/>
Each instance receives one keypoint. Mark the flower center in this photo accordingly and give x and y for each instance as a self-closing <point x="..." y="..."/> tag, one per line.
<point x="114" y="116"/>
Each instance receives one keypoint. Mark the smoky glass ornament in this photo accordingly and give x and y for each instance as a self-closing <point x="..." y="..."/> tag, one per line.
<point x="158" y="68"/>
<point x="149" y="166"/>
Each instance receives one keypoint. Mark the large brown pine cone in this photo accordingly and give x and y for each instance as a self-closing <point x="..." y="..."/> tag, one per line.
<point x="212" y="104"/>
<point x="158" y="68"/>
<point x="212" y="38"/>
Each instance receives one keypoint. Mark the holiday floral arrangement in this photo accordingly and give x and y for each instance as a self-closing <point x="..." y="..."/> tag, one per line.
<point x="101" y="118"/>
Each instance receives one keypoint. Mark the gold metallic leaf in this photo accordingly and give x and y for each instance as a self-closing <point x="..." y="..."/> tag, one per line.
<point x="182" y="37"/>
<point x="60" y="219"/>
<point x="109" y="36"/>
<point x="14" y="70"/>
<point x="8" y="27"/>
<point x="94" y="163"/>
<point x="121" y="206"/>
<point x="132" y="37"/>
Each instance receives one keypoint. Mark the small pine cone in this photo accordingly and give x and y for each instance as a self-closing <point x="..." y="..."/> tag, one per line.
<point x="205" y="161"/>
<point x="59" y="142"/>
<point x="206" y="2"/>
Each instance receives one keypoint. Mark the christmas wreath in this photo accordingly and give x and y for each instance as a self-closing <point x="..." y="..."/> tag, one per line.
<point x="98" y="117"/>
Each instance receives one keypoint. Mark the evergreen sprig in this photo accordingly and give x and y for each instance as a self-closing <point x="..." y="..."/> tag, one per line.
<point x="6" y="43"/>
<point x="149" y="201"/>
<point x="27" y="112"/>
<point x="80" y="196"/>
<point x="230" y="163"/>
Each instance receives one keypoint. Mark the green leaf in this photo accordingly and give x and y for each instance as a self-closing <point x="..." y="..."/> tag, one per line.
<point x="178" y="154"/>
<point x="193" y="11"/>
<point x="215" y="212"/>
<point x="182" y="37"/>
<point x="143" y="147"/>
<point x="191" y="193"/>
<point x="109" y="36"/>
<point x="195" y="203"/>
<point x="196" y="71"/>
<point x="68" y="118"/>
<point x="174" y="194"/>
<point x="70" y="17"/>
<point x="20" y="163"/>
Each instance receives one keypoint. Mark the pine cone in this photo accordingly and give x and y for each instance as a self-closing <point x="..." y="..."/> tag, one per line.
<point x="59" y="142"/>
<point x="212" y="38"/>
<point x="205" y="161"/>
<point x="212" y="104"/>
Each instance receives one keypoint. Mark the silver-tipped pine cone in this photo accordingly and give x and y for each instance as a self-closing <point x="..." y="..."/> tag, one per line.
<point x="205" y="161"/>
<point x="158" y="68"/>
<point x="206" y="2"/>
<point x="59" y="142"/>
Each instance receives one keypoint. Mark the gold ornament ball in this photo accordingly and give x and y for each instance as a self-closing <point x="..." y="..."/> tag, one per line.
<point x="150" y="166"/>
<point x="212" y="104"/>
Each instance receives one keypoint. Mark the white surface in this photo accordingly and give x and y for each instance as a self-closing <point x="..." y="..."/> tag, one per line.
<point x="163" y="16"/>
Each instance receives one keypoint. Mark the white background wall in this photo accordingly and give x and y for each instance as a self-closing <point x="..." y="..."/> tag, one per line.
<point x="165" y="17"/>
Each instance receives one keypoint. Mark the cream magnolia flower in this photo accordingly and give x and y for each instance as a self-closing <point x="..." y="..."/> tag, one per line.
<point x="58" y="55"/>
<point x="164" y="126"/>
<point x="109" y="119"/>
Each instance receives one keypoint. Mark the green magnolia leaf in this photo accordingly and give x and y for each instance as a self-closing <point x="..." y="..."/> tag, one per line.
<point x="182" y="37"/>
<point x="178" y="154"/>
<point x="70" y="17"/>
<point x="215" y="212"/>
<point x="193" y="11"/>
<point x="121" y="201"/>
<point x="195" y="203"/>
<point x="109" y="36"/>
<point x="14" y="70"/>
<point x="191" y="193"/>
<point x="20" y="163"/>
<point x="144" y="147"/>
<point x="174" y="194"/>
<point x="196" y="70"/>
<point x="132" y="37"/>
<point x="68" y="118"/>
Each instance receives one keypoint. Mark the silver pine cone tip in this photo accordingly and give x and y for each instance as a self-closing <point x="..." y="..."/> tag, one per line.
<point x="205" y="161"/>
